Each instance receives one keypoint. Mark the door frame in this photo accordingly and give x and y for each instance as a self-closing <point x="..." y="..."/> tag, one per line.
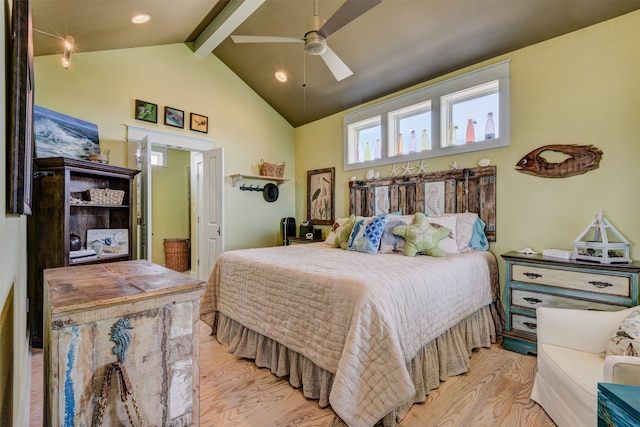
<point x="137" y="135"/>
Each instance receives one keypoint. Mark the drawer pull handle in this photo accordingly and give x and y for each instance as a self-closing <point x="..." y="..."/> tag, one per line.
<point x="532" y="275"/>
<point x="600" y="285"/>
<point x="530" y="325"/>
<point x="533" y="300"/>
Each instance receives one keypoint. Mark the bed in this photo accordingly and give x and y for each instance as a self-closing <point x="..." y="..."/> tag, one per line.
<point x="369" y="335"/>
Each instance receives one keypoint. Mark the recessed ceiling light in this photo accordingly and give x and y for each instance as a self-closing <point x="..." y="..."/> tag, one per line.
<point x="141" y="18"/>
<point x="281" y="76"/>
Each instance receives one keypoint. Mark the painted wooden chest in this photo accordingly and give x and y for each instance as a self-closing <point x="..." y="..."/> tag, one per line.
<point x="534" y="281"/>
<point x="139" y="314"/>
<point x="618" y="405"/>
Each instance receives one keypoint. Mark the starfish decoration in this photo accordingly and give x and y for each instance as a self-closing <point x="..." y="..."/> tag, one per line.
<point x="422" y="168"/>
<point x="406" y="169"/>
<point x="421" y="237"/>
<point x="454" y="165"/>
<point x="394" y="170"/>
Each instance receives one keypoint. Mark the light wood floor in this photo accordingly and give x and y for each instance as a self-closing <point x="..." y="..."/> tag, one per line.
<point x="236" y="393"/>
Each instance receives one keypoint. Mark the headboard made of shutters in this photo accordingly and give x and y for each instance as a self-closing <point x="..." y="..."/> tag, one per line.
<point x="453" y="191"/>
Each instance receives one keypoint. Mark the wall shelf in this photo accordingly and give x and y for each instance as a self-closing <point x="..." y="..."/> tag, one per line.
<point x="239" y="176"/>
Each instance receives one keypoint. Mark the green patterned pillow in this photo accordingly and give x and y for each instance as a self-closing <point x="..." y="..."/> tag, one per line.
<point x="342" y="236"/>
<point x="422" y="237"/>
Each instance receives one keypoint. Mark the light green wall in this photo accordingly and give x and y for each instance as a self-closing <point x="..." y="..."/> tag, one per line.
<point x="14" y="361"/>
<point x="170" y="195"/>
<point x="101" y="87"/>
<point x="581" y="88"/>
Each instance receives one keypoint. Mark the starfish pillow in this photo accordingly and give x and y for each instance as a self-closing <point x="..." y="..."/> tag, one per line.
<point x="422" y="236"/>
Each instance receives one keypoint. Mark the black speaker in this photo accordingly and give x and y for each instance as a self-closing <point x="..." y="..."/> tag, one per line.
<point x="287" y="229"/>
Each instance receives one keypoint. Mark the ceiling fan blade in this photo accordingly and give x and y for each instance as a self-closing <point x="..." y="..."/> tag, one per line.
<point x="338" y="68"/>
<point x="266" y="39"/>
<point x="349" y="11"/>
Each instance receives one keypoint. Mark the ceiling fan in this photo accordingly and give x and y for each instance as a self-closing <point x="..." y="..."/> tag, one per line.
<point x="317" y="32"/>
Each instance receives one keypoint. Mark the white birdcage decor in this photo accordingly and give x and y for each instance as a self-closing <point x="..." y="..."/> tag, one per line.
<point x="602" y="243"/>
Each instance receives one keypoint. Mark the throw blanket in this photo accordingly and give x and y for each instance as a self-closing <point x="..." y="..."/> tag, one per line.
<point x="362" y="317"/>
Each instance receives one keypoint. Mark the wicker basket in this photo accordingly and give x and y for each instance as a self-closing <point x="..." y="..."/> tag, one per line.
<point x="106" y="196"/>
<point x="176" y="254"/>
<point x="271" y="169"/>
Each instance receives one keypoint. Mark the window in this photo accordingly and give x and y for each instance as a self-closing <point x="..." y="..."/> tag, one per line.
<point x="409" y="129"/>
<point x="463" y="110"/>
<point x="159" y="156"/>
<point x="364" y="141"/>
<point x="463" y="114"/>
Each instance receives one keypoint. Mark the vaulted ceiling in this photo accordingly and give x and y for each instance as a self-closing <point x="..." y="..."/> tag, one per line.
<point x="394" y="45"/>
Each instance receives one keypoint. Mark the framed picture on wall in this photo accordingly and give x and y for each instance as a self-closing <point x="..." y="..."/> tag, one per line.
<point x="174" y="117"/>
<point x="20" y="119"/>
<point x="199" y="123"/>
<point x="146" y="111"/>
<point x="60" y="135"/>
<point x="320" y="196"/>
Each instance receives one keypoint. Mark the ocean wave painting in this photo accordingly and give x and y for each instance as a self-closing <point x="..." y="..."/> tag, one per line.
<point x="59" y="135"/>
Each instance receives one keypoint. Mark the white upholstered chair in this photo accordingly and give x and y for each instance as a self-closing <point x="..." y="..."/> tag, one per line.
<point x="569" y="363"/>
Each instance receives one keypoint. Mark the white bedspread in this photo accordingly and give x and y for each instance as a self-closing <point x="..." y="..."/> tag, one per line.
<point x="359" y="316"/>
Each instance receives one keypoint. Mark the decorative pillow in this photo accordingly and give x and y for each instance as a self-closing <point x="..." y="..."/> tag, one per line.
<point x="366" y="234"/>
<point x="390" y="243"/>
<point x="335" y="229"/>
<point x="449" y="244"/>
<point x="465" y="224"/>
<point x="626" y="341"/>
<point x="342" y="236"/>
<point x="422" y="237"/>
<point x="479" y="241"/>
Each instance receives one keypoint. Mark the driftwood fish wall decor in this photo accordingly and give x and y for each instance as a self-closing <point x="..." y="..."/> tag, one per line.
<point x="582" y="158"/>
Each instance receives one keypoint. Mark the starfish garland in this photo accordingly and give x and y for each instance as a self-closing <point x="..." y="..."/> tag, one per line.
<point x="406" y="169"/>
<point x="454" y="165"/>
<point x="394" y="170"/>
<point x="422" y="168"/>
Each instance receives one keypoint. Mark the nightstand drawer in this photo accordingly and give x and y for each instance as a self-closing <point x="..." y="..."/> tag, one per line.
<point x="526" y="324"/>
<point x="577" y="280"/>
<point x="533" y="300"/>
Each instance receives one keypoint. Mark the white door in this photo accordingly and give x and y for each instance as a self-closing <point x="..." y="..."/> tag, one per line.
<point x="210" y="186"/>
<point x="140" y="153"/>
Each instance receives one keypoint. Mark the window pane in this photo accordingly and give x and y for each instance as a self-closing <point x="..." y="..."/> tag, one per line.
<point x="364" y="141"/>
<point x="410" y="129"/>
<point x="471" y="115"/>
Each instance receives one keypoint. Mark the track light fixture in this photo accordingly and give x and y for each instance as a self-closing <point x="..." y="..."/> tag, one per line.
<point x="68" y="46"/>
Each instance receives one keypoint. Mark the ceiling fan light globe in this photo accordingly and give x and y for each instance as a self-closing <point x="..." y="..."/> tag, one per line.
<point x="314" y="44"/>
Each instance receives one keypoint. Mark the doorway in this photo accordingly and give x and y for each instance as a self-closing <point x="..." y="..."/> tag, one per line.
<point x="182" y="199"/>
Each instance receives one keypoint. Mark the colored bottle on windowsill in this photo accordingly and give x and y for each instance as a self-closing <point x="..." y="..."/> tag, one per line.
<point x="489" y="128"/>
<point x="412" y="142"/>
<point x="471" y="132"/>
<point x="400" y="145"/>
<point x="424" y="141"/>
<point x="452" y="137"/>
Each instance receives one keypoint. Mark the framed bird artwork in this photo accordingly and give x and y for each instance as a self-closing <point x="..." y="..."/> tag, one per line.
<point x="199" y="123"/>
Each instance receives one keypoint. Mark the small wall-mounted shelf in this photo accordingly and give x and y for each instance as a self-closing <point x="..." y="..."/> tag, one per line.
<point x="239" y="176"/>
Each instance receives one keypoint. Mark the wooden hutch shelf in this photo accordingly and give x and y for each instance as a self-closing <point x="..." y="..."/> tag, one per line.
<point x="61" y="207"/>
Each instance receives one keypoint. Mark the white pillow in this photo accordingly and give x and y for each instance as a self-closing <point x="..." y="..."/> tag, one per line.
<point x="335" y="229"/>
<point x="449" y="244"/>
<point x="464" y="228"/>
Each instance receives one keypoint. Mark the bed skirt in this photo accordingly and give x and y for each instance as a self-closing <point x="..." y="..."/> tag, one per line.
<point x="448" y="355"/>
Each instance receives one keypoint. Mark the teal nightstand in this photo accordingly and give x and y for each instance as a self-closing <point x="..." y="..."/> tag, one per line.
<point x="618" y="405"/>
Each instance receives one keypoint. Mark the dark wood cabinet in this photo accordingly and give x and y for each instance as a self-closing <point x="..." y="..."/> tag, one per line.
<point x="62" y="206"/>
